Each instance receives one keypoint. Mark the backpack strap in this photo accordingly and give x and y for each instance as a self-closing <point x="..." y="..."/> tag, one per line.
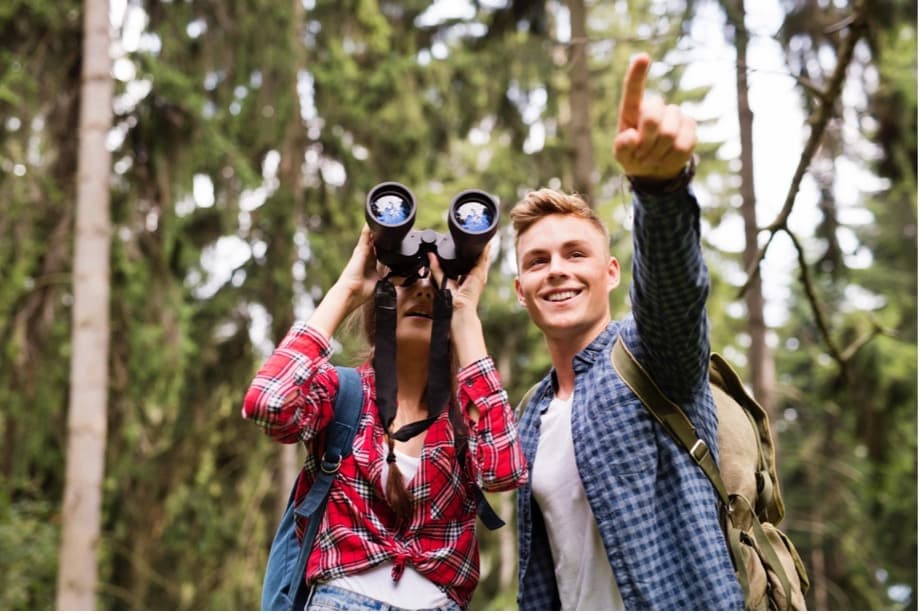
<point x="520" y="408"/>
<point x="485" y="511"/>
<point x="668" y="414"/>
<point x="347" y="407"/>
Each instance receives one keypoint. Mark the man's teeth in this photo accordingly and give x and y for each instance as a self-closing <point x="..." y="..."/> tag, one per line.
<point x="561" y="296"/>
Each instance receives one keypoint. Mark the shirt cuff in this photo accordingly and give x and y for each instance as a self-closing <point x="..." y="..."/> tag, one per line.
<point x="478" y="382"/>
<point x="663" y="187"/>
<point x="305" y="339"/>
<point x="665" y="206"/>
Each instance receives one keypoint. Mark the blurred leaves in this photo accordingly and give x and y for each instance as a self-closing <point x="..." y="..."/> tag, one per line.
<point x="239" y="179"/>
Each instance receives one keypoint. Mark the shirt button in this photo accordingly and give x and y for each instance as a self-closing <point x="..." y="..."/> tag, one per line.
<point x="469" y="382"/>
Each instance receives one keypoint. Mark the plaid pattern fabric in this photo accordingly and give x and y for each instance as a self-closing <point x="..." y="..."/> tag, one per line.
<point x="291" y="399"/>
<point x="656" y="511"/>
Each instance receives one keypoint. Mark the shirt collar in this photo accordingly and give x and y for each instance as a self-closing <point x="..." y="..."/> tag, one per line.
<point x="590" y="353"/>
<point x="582" y="361"/>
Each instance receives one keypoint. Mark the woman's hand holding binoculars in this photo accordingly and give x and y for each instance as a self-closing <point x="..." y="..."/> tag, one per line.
<point x="356" y="285"/>
<point x="466" y="328"/>
<point x="361" y="272"/>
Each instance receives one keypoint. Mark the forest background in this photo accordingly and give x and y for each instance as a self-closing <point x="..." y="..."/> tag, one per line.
<point x="182" y="179"/>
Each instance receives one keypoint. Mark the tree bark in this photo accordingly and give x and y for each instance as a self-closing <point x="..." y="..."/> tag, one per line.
<point x="580" y="102"/>
<point x="761" y="360"/>
<point x="282" y="255"/>
<point x="86" y="424"/>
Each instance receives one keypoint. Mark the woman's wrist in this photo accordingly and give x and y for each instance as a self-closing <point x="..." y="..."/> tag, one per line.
<point x="351" y="296"/>
<point x="337" y="303"/>
<point x="467" y="336"/>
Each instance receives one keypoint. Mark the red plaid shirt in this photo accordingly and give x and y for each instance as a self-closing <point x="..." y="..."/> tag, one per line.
<point x="291" y="398"/>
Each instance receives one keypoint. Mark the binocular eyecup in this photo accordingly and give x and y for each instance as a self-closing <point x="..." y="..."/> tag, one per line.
<point x="390" y="211"/>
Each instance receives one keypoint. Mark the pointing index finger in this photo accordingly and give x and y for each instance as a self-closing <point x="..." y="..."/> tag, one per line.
<point x="632" y="92"/>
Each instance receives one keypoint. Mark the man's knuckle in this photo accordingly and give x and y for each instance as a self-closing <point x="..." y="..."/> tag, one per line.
<point x="669" y="134"/>
<point x="649" y="123"/>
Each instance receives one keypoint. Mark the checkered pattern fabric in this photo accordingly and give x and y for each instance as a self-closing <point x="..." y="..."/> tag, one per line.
<point x="291" y="399"/>
<point x="656" y="511"/>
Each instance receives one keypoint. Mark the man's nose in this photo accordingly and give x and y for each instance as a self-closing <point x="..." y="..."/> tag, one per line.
<point x="556" y="266"/>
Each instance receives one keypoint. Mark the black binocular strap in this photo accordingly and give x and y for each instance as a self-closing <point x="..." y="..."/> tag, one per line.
<point x="385" y="360"/>
<point x="438" y="387"/>
<point x="385" y="351"/>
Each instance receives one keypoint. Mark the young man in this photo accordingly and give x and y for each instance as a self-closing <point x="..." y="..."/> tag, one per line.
<point x="615" y="514"/>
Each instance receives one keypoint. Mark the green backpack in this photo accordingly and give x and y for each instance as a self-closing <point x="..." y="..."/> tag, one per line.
<point x="768" y="567"/>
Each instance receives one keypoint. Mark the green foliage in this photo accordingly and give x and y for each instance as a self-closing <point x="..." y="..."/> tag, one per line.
<point x="29" y="542"/>
<point x="191" y="491"/>
<point x="863" y="415"/>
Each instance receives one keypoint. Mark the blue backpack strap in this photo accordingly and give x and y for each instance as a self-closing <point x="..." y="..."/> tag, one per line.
<point x="485" y="511"/>
<point x="487" y="515"/>
<point x="347" y="408"/>
<point x="282" y="555"/>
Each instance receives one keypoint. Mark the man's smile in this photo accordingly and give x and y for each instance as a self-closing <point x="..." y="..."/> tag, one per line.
<point x="559" y="296"/>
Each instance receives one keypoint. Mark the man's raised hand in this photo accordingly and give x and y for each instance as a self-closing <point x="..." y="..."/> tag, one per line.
<point x="654" y="140"/>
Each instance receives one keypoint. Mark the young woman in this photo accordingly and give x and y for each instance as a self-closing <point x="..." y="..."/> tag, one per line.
<point x="399" y="526"/>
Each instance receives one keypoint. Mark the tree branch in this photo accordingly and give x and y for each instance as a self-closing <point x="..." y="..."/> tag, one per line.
<point x="818" y="124"/>
<point x="814" y="302"/>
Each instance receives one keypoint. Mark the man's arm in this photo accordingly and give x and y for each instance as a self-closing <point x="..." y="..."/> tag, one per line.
<point x="655" y="145"/>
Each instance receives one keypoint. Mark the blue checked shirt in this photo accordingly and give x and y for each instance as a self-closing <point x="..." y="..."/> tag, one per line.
<point x="656" y="511"/>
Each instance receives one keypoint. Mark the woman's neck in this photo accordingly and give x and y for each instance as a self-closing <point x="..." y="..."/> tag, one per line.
<point x="412" y="375"/>
<point x="411" y="404"/>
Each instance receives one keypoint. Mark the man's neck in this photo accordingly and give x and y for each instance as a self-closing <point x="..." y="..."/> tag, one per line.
<point x="563" y="349"/>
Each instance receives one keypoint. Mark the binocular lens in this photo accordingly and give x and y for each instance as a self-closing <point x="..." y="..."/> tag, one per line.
<point x="391" y="209"/>
<point x="473" y="216"/>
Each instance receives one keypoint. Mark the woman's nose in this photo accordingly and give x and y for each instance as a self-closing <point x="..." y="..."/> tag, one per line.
<point x="423" y="288"/>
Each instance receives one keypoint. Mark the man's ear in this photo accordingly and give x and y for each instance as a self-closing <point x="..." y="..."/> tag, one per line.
<point x="614" y="273"/>
<point x="518" y="291"/>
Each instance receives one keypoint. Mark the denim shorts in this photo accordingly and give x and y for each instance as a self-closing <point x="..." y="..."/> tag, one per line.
<point x="326" y="597"/>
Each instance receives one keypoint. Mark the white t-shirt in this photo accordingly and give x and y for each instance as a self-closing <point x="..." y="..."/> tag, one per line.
<point x="584" y="577"/>
<point x="414" y="591"/>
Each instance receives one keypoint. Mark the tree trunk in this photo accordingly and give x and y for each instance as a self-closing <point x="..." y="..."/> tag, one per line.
<point x="287" y="207"/>
<point x="86" y="424"/>
<point x="761" y="360"/>
<point x="580" y="102"/>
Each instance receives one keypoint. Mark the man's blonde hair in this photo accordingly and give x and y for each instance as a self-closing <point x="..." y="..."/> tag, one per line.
<point x="546" y="201"/>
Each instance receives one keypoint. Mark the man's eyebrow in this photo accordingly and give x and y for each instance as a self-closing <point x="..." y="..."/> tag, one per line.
<point x="576" y="243"/>
<point x="566" y="245"/>
<point x="534" y="250"/>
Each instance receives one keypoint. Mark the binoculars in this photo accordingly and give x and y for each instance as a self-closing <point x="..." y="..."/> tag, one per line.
<point x="390" y="210"/>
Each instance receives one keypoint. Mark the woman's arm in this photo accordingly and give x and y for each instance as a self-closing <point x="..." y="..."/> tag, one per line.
<point x="290" y="397"/>
<point x="498" y="462"/>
